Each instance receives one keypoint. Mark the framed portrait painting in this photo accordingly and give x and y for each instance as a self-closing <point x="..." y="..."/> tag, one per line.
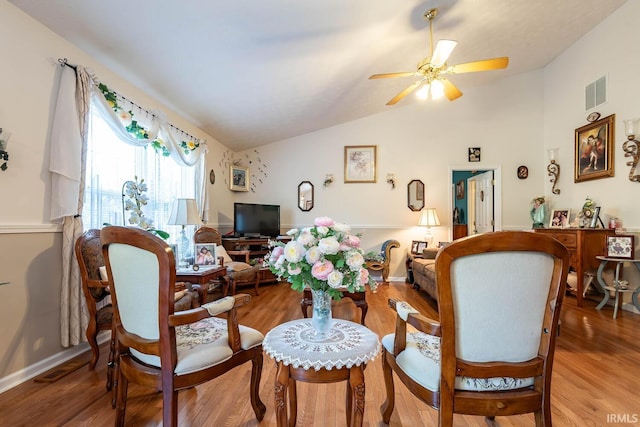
<point x="594" y="150"/>
<point x="238" y="178"/>
<point x="360" y="163"/>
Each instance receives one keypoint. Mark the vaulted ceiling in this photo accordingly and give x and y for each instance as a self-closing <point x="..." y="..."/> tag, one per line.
<point x="251" y="72"/>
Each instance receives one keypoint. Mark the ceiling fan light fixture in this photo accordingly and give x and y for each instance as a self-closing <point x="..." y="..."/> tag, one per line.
<point x="437" y="89"/>
<point x="442" y="52"/>
<point x="423" y="92"/>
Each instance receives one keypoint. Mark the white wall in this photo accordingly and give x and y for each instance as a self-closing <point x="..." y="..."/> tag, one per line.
<point x="30" y="245"/>
<point x="416" y="141"/>
<point x="607" y="50"/>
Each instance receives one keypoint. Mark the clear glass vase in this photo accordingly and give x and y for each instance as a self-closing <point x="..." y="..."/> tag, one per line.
<point x="321" y="316"/>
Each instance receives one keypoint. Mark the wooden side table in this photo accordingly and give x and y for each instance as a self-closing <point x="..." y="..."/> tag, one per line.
<point x="618" y="286"/>
<point x="342" y="356"/>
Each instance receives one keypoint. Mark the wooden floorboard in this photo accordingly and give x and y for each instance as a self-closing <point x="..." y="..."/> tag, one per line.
<point x="596" y="377"/>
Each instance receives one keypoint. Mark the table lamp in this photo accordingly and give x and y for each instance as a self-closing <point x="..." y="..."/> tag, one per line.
<point x="428" y="219"/>
<point x="184" y="212"/>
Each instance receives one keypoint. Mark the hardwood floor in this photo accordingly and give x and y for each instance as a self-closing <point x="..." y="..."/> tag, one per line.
<point x="596" y="377"/>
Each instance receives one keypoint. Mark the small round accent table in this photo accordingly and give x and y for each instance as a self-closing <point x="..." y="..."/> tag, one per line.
<point x="341" y="356"/>
<point x="618" y="286"/>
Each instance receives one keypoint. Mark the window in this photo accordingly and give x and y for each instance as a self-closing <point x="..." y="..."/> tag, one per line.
<point x="111" y="162"/>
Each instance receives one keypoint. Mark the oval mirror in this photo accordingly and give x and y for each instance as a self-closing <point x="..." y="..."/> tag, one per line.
<point x="305" y="196"/>
<point x="415" y="195"/>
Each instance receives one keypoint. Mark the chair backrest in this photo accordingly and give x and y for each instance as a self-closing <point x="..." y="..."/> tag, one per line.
<point x="207" y="235"/>
<point x="385" y="250"/>
<point x="142" y="272"/>
<point x="89" y="255"/>
<point x="499" y="297"/>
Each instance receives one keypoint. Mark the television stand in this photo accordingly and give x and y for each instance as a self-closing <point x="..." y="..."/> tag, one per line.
<point x="252" y="248"/>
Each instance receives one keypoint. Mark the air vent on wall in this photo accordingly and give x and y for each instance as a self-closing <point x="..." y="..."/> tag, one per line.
<point x="595" y="93"/>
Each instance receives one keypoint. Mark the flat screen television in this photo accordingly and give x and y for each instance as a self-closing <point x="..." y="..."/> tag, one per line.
<point x="254" y="220"/>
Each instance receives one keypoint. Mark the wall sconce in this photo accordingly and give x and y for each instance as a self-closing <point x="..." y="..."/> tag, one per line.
<point x="4" y="155"/>
<point x="553" y="170"/>
<point x="328" y="180"/>
<point x="391" y="179"/>
<point x="630" y="147"/>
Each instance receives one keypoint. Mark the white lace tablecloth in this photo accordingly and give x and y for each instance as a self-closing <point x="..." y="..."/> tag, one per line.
<point x="347" y="344"/>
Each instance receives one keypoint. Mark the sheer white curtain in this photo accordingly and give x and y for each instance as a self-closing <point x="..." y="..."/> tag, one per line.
<point x="78" y="91"/>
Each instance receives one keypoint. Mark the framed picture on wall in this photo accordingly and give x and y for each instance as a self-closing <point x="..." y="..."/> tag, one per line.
<point x="460" y="190"/>
<point x="238" y="178"/>
<point x="360" y="163"/>
<point x="619" y="246"/>
<point x="594" y="150"/>
<point x="474" y="154"/>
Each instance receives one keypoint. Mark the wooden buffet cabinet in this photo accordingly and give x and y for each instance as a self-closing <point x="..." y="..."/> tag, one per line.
<point x="584" y="244"/>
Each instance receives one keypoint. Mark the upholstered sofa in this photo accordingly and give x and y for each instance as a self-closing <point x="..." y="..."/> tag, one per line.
<point x="424" y="273"/>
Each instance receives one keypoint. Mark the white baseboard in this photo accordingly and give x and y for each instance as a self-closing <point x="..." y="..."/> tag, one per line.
<point x="44" y="365"/>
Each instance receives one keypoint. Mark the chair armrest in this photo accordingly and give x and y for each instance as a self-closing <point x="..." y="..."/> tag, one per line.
<point x="407" y="314"/>
<point x="224" y="305"/>
<point x="93" y="283"/>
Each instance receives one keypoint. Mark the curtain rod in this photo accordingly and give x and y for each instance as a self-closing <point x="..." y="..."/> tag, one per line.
<point x="64" y="62"/>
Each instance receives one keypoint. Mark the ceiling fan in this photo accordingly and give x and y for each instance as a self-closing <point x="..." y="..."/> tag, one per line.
<point x="432" y="70"/>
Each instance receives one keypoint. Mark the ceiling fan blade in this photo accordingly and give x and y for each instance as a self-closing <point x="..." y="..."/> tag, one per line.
<point x="484" y="65"/>
<point x="450" y="90"/>
<point x="392" y="75"/>
<point x="404" y="93"/>
<point x="442" y="52"/>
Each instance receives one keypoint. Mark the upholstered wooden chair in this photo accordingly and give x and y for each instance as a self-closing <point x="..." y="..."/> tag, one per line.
<point x="88" y="249"/>
<point x="238" y="272"/>
<point x="157" y="347"/>
<point x="385" y="262"/>
<point x="89" y="255"/>
<point x="491" y="353"/>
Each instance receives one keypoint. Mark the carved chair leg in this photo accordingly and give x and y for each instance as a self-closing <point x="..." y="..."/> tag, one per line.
<point x="170" y="406"/>
<point x="388" y="405"/>
<point x="92" y="333"/>
<point x="121" y="405"/>
<point x="256" y="373"/>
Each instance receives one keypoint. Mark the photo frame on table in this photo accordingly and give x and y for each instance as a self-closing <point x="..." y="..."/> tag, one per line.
<point x="174" y="249"/>
<point x="417" y="246"/>
<point x="360" y="163"/>
<point x="205" y="254"/>
<point x="594" y="150"/>
<point x="595" y="217"/>
<point x="238" y="178"/>
<point x="621" y="246"/>
<point x="559" y="218"/>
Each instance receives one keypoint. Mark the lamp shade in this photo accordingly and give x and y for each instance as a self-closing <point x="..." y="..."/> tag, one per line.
<point x="184" y="212"/>
<point x="429" y="218"/>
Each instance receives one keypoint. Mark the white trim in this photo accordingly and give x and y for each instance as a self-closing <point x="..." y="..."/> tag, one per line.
<point x="30" y="228"/>
<point x="32" y="371"/>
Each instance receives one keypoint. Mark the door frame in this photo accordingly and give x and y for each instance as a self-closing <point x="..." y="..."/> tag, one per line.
<point x="497" y="192"/>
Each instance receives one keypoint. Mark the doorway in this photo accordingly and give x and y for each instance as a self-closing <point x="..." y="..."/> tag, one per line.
<point x="475" y="200"/>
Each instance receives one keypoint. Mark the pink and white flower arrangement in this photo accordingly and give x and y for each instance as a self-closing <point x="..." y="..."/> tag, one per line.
<point x="325" y="257"/>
